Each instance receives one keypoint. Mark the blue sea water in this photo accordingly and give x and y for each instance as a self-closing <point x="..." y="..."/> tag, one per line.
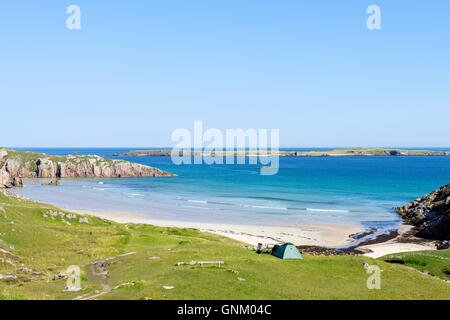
<point x="320" y="190"/>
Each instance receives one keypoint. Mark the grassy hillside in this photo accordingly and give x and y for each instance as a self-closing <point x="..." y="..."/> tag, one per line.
<point x="36" y="243"/>
<point x="436" y="263"/>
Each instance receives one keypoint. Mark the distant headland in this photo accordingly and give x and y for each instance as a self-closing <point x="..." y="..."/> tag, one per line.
<point x="321" y="153"/>
<point x="15" y="165"/>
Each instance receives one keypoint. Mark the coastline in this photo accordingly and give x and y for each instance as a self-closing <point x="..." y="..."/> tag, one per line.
<point x="316" y="239"/>
<point x="150" y="259"/>
<point x="322" y="239"/>
<point x="404" y="241"/>
<point x="299" y="234"/>
<point x="400" y="240"/>
<point x="340" y="152"/>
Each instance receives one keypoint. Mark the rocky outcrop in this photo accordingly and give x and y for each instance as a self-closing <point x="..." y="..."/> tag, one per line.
<point x="443" y="245"/>
<point x="15" y="165"/>
<point x="8" y="181"/>
<point x="53" y="182"/>
<point x="8" y="171"/>
<point x="430" y="214"/>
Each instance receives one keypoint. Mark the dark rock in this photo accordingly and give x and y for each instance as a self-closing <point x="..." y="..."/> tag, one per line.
<point x="17" y="182"/>
<point x="430" y="214"/>
<point x="443" y="245"/>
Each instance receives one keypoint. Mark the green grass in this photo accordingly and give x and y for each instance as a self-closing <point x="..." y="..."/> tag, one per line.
<point x="12" y="297"/>
<point x="51" y="246"/>
<point x="25" y="156"/>
<point x="436" y="262"/>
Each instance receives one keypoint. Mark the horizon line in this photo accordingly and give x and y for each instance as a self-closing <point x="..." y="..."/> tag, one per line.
<point x="168" y="147"/>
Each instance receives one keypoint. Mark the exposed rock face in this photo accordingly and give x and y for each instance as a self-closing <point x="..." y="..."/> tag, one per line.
<point x="7" y="181"/>
<point x="46" y="168"/>
<point x="17" y="165"/>
<point x="9" y="171"/>
<point x="430" y="214"/>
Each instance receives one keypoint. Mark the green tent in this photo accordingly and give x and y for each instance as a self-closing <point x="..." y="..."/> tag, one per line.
<point x="286" y="251"/>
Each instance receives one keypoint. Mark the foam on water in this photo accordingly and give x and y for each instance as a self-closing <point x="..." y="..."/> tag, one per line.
<point x="197" y="201"/>
<point x="329" y="190"/>
<point x="326" y="210"/>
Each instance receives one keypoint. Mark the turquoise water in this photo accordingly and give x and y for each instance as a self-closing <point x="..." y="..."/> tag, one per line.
<point x="325" y="190"/>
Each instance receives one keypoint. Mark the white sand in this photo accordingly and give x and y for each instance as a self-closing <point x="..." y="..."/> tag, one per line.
<point x="385" y="248"/>
<point x="320" y="235"/>
<point x="394" y="246"/>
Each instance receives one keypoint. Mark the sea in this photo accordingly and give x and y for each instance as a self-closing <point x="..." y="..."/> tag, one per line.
<point x="361" y="191"/>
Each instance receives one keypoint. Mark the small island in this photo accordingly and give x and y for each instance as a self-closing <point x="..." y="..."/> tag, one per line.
<point x="249" y="153"/>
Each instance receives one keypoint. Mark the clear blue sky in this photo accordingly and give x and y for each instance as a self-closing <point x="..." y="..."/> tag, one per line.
<point x="137" y="70"/>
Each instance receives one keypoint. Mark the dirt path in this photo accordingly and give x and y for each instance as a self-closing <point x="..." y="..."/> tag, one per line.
<point x="99" y="274"/>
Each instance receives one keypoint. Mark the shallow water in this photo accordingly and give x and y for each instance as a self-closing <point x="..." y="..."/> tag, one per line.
<point x="324" y="190"/>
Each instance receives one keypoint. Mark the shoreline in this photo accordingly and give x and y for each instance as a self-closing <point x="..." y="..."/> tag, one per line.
<point x="404" y="241"/>
<point x="316" y="239"/>
<point x="313" y="239"/>
<point x="401" y="240"/>
<point x="302" y="234"/>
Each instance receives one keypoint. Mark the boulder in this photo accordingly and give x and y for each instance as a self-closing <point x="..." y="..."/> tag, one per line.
<point x="53" y="182"/>
<point x="443" y="245"/>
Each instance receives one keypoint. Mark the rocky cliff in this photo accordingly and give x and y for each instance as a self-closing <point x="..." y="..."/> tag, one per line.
<point x="430" y="214"/>
<point x="15" y="165"/>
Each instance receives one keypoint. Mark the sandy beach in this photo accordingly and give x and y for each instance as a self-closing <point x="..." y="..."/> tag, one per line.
<point x="317" y="235"/>
<point x="405" y="241"/>
<point x="300" y="235"/>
